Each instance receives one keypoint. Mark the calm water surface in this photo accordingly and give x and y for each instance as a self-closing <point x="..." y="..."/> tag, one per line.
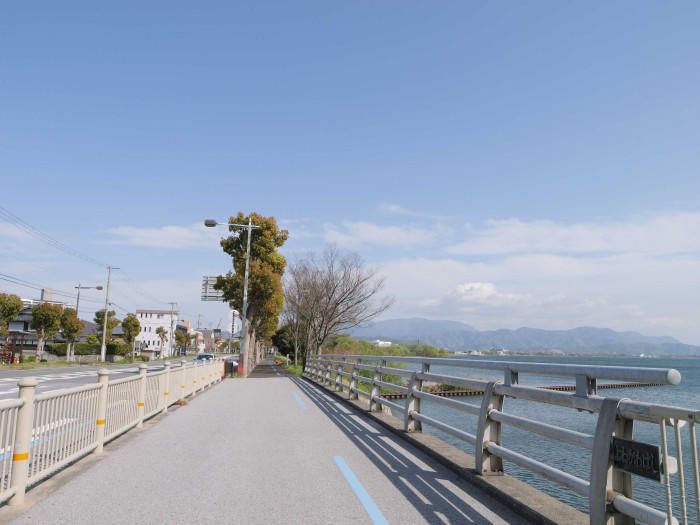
<point x="570" y="458"/>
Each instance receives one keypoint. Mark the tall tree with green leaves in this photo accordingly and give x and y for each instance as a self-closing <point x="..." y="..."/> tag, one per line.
<point x="46" y="320"/>
<point x="71" y="327"/>
<point x="267" y="264"/>
<point x="10" y="307"/>
<point x="131" y="327"/>
<point x="180" y="339"/>
<point x="112" y="323"/>
<point x="162" y="334"/>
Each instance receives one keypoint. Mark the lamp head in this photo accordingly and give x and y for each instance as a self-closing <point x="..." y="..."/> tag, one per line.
<point x="210" y="223"/>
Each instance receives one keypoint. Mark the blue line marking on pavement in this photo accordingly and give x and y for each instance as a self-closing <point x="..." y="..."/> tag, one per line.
<point x="301" y="403"/>
<point x="374" y="513"/>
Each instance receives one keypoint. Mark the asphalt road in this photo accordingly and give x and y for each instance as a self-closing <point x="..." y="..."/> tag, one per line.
<point x="59" y="377"/>
<point x="266" y="449"/>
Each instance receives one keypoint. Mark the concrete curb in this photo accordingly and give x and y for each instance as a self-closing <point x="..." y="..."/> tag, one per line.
<point x="525" y="500"/>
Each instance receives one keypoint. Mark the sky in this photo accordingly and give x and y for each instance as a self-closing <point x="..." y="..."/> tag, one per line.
<point x="501" y="164"/>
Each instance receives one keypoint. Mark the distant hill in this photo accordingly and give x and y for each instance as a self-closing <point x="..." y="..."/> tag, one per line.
<point x="409" y="330"/>
<point x="455" y="336"/>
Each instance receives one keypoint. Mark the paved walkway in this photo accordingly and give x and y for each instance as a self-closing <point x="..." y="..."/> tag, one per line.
<point x="264" y="450"/>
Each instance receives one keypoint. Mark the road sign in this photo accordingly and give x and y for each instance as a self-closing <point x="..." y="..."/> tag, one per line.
<point x="208" y="291"/>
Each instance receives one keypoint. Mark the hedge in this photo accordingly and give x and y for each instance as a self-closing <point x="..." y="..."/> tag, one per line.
<point x="89" y="348"/>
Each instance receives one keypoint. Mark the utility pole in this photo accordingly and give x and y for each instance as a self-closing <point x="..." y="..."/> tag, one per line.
<point x="77" y="311"/>
<point x="103" y="351"/>
<point x="244" y="350"/>
<point x="170" y="341"/>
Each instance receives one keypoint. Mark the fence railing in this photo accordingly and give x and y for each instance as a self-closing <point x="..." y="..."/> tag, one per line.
<point x="608" y="489"/>
<point x="40" y="434"/>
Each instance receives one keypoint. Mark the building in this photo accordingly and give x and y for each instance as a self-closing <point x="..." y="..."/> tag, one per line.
<point x="150" y="321"/>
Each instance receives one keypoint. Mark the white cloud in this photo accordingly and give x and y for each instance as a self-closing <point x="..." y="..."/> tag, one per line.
<point x="177" y="237"/>
<point x="395" y="209"/>
<point x="483" y="293"/>
<point x="357" y="234"/>
<point x="660" y="233"/>
<point x="656" y="295"/>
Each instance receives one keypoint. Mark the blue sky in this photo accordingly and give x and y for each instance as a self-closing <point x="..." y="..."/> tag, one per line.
<point x="503" y="165"/>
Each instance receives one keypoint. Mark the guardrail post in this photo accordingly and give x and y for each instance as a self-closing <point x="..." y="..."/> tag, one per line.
<point x="141" y="403"/>
<point x="195" y="373"/>
<point x="166" y="387"/>
<point x="103" y="379"/>
<point x="339" y="378"/>
<point x="183" y="377"/>
<point x="328" y="374"/>
<point x="413" y="405"/>
<point x="23" y="439"/>
<point x="353" y="384"/>
<point x="488" y="431"/>
<point x="605" y="482"/>
<point x="375" y="390"/>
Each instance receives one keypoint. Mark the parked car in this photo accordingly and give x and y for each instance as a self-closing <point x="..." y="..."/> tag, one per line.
<point x="202" y="357"/>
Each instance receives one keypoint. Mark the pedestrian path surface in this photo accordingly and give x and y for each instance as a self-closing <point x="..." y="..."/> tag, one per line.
<point x="263" y="450"/>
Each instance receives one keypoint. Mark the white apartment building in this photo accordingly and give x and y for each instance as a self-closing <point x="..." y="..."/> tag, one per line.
<point x="150" y="321"/>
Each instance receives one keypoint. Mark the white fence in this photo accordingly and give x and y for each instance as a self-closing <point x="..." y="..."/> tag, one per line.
<point x="609" y="490"/>
<point x="40" y="434"/>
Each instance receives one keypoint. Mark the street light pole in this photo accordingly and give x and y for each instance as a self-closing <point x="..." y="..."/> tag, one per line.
<point x="244" y="347"/>
<point x="210" y="223"/>
<point x="170" y="341"/>
<point x="103" y="351"/>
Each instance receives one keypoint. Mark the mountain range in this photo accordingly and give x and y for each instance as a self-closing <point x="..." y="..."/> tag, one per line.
<point x="456" y="336"/>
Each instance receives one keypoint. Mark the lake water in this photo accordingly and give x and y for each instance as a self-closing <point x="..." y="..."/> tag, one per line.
<point x="569" y="458"/>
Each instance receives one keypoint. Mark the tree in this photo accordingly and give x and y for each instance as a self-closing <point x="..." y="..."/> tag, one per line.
<point x="71" y="327"/>
<point x="112" y="323"/>
<point x="265" y="293"/>
<point x="10" y="307"/>
<point x="283" y="339"/>
<point x="192" y="338"/>
<point x="162" y="334"/>
<point x="91" y="339"/>
<point x="327" y="295"/>
<point x="131" y="327"/>
<point x="180" y="339"/>
<point x="46" y="320"/>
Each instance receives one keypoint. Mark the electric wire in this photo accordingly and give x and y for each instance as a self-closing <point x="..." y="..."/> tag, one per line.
<point x="19" y="223"/>
<point x="24" y="226"/>
<point x="35" y="286"/>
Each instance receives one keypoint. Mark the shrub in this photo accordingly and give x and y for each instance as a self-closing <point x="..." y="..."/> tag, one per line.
<point x="145" y="358"/>
<point x="118" y="349"/>
<point x="56" y="348"/>
<point x="86" y="348"/>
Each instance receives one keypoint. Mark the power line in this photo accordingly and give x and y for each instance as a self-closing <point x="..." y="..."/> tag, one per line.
<point x="46" y="238"/>
<point x="28" y="284"/>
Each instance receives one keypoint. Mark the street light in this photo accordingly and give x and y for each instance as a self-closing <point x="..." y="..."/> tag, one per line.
<point x="210" y="223"/>
<point x="77" y="305"/>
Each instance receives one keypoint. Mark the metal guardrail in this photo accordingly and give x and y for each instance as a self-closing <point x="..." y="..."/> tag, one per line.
<point x="40" y="434"/>
<point x="609" y="490"/>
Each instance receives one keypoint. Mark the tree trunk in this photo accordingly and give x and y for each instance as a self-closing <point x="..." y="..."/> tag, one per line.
<point x="39" y="346"/>
<point x="68" y="346"/>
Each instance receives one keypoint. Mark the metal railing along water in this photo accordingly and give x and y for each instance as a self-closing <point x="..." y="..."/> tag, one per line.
<point x="608" y="488"/>
<point x="41" y="434"/>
